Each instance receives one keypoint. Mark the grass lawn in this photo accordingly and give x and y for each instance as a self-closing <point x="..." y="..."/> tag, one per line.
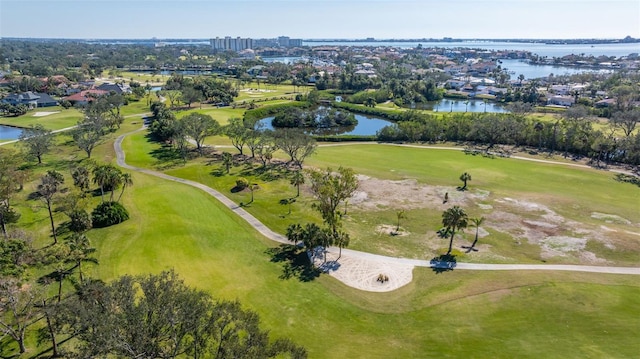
<point x="453" y="314"/>
<point x="563" y="191"/>
<point x="62" y="119"/>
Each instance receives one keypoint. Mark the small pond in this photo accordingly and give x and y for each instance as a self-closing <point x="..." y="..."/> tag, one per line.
<point x="366" y="126"/>
<point x="9" y="133"/>
<point x="447" y="105"/>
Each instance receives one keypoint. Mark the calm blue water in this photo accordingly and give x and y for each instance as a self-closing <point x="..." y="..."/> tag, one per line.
<point x="537" y="48"/>
<point x="370" y="125"/>
<point x="535" y="71"/>
<point x="366" y="126"/>
<point x="9" y="133"/>
<point x="446" y="105"/>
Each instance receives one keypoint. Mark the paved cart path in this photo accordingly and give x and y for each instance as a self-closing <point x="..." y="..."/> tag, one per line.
<point x="361" y="269"/>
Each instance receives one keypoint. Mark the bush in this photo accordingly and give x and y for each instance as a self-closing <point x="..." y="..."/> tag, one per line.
<point x="109" y="213"/>
<point x="242" y="183"/>
<point x="80" y="221"/>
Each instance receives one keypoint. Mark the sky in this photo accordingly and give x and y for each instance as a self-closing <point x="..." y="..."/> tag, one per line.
<point x="320" y="19"/>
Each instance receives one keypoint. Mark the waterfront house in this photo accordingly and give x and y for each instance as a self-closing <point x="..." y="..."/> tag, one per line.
<point x="566" y="101"/>
<point x="30" y="99"/>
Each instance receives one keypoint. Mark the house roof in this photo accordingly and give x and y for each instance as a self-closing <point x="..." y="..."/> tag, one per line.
<point x="85" y="96"/>
<point x="110" y="87"/>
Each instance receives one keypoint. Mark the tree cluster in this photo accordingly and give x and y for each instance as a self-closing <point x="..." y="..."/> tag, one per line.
<point x="573" y="133"/>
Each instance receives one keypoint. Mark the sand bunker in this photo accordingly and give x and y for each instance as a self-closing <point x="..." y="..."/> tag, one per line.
<point x="44" y="113"/>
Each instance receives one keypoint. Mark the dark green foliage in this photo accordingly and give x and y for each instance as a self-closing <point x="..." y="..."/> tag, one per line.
<point x="241" y="183"/>
<point x="15" y="255"/>
<point x="158" y="316"/>
<point x="266" y="111"/>
<point x="37" y="141"/>
<point x="80" y="221"/>
<point x="108" y="213"/>
<point x="379" y="96"/>
<point x="320" y="118"/>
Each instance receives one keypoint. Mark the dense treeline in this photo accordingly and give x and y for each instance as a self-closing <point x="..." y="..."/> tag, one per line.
<point x="573" y="133"/>
<point x="46" y="58"/>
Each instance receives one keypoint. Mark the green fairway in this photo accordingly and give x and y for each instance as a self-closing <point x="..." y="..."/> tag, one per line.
<point x="501" y="314"/>
<point x="60" y="118"/>
<point x="551" y="198"/>
<point x="452" y="315"/>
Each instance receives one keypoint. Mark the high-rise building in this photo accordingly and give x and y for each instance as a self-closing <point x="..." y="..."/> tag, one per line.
<point x="229" y="43"/>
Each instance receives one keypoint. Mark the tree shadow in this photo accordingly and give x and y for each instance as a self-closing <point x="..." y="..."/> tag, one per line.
<point x="443" y="263"/>
<point x="296" y="263"/>
<point x="622" y="177"/>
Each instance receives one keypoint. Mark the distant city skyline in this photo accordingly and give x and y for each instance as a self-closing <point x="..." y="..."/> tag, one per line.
<point x="320" y="19"/>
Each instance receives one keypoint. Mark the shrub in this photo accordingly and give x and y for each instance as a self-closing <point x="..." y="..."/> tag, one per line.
<point x="80" y="221"/>
<point x="109" y="213"/>
<point x="242" y="183"/>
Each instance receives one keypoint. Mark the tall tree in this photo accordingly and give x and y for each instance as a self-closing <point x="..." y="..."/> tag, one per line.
<point x="88" y="135"/>
<point x="238" y="133"/>
<point x="477" y="222"/>
<point x="80" y="177"/>
<point x="199" y="126"/>
<point x="108" y="178"/>
<point x="17" y="309"/>
<point x="330" y="188"/>
<point x="50" y="186"/>
<point x="296" y="144"/>
<point x="227" y="160"/>
<point x="297" y="179"/>
<point x="454" y="219"/>
<point x="37" y="141"/>
<point x="127" y="181"/>
<point x="80" y="251"/>
<point x="11" y="179"/>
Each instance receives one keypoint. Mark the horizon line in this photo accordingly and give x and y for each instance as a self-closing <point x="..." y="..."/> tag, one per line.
<point x="446" y="38"/>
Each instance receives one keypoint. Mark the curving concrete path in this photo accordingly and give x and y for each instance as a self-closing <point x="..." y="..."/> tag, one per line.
<point x="360" y="269"/>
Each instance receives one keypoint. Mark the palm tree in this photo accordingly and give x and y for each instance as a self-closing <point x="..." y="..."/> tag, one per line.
<point x="127" y="181"/>
<point x="107" y="176"/>
<point x="400" y="214"/>
<point x="295" y="233"/>
<point x="49" y="186"/>
<point x="227" y="160"/>
<point x="454" y="219"/>
<point x="297" y="179"/>
<point x="476" y="223"/>
<point x="80" y="251"/>
<point x="464" y="178"/>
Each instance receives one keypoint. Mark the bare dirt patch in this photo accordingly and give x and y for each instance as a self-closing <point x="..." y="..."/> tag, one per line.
<point x="390" y="230"/>
<point x="521" y="219"/>
<point x="610" y="218"/>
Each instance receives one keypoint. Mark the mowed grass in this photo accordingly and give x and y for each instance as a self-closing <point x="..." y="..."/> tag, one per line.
<point x="62" y="119"/>
<point x="456" y="314"/>
<point x="574" y="193"/>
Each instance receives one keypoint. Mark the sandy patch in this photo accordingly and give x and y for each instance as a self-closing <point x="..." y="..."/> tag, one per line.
<point x="44" y="113"/>
<point x="561" y="245"/>
<point x="363" y="274"/>
<point x="390" y="230"/>
<point x="521" y="219"/>
<point x="374" y="195"/>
